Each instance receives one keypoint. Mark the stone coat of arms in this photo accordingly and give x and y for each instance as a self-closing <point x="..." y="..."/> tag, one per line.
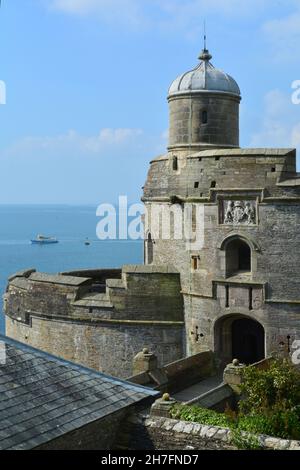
<point x="240" y="213"/>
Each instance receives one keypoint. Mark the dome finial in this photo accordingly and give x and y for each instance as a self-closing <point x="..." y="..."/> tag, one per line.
<point x="205" y="55"/>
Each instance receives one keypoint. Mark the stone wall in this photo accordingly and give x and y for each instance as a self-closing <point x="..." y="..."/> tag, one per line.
<point x="99" y="435"/>
<point x="187" y="128"/>
<point x="213" y="297"/>
<point x="157" y="433"/>
<point x="175" y="376"/>
<point x="63" y="315"/>
<point x="190" y="370"/>
<point x="231" y="169"/>
<point x="107" y="347"/>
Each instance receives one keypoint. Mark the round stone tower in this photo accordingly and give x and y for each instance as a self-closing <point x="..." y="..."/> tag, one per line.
<point x="204" y="109"/>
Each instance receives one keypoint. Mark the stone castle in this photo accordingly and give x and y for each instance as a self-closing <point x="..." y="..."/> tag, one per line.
<point x="236" y="295"/>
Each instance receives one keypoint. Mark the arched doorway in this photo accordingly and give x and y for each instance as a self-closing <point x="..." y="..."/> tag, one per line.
<point x="239" y="337"/>
<point x="248" y="340"/>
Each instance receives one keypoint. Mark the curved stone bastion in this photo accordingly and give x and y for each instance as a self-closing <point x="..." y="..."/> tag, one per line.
<point x="99" y="318"/>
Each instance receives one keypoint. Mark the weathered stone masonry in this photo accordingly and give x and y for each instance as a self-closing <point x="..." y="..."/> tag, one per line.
<point x="237" y="294"/>
<point x="64" y="315"/>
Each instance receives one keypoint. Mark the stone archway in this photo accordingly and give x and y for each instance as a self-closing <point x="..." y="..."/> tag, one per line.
<point x="239" y="337"/>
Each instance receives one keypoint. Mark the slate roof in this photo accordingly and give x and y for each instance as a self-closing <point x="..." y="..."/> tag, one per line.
<point x="43" y="397"/>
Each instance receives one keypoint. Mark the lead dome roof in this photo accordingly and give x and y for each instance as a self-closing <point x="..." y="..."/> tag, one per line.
<point x="205" y="77"/>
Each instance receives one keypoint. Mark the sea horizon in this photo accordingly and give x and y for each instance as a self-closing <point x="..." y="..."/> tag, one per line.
<point x="72" y="225"/>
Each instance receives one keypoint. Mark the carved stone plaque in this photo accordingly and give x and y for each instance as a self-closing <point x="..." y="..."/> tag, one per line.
<point x="239" y="212"/>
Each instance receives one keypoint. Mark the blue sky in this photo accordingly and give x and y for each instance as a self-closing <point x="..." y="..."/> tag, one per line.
<point x="87" y="82"/>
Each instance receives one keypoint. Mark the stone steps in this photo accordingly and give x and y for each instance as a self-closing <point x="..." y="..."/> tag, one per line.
<point x="94" y="301"/>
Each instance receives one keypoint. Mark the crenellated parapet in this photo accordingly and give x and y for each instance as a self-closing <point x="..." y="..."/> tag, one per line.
<point x="115" y="313"/>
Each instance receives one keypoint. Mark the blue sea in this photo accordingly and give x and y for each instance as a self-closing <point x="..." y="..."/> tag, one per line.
<point x="71" y="225"/>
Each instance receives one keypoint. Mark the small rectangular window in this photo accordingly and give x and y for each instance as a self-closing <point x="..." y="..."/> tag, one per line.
<point x="250" y="298"/>
<point x="204" y="117"/>
<point x="273" y="169"/>
<point x="196" y="184"/>
<point x="227" y="296"/>
<point x="194" y="218"/>
<point x="175" y="163"/>
<point x="195" y="262"/>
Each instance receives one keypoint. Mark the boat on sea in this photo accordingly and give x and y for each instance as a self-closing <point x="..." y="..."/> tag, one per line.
<point x="42" y="240"/>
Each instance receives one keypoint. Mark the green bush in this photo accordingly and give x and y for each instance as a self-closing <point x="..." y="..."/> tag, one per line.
<point x="283" y="424"/>
<point x="197" y="414"/>
<point x="271" y="400"/>
<point x="271" y="406"/>
<point x="274" y="389"/>
<point x="248" y="442"/>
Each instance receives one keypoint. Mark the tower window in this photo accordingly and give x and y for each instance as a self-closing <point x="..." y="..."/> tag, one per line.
<point x="204" y="117"/>
<point x="200" y="159"/>
<point x="194" y="218"/>
<point x="250" y="298"/>
<point x="273" y="169"/>
<point x="149" y="249"/>
<point x="217" y="159"/>
<point x="213" y="184"/>
<point x="196" y="184"/>
<point x="175" y="163"/>
<point x="195" y="263"/>
<point x="227" y="296"/>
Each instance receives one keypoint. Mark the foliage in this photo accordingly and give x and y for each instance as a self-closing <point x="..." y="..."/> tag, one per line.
<point x="274" y="389"/>
<point x="284" y="424"/>
<point x="244" y="441"/>
<point x="271" y="406"/>
<point x="271" y="400"/>
<point x="197" y="414"/>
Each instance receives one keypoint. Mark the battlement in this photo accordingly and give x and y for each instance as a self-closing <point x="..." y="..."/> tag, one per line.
<point x="131" y="308"/>
<point x="105" y="295"/>
<point x="196" y="175"/>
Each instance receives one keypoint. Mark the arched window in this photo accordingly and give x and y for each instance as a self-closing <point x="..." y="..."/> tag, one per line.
<point x="238" y="257"/>
<point x="149" y="249"/>
<point x="204" y="117"/>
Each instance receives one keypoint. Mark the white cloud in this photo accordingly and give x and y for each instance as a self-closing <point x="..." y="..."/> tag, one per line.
<point x="280" y="126"/>
<point x="186" y="17"/>
<point x="72" y="143"/>
<point x="283" y="34"/>
<point x="158" y="14"/>
<point x="77" y="7"/>
<point x="235" y="7"/>
<point x="76" y="168"/>
<point x="128" y="12"/>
